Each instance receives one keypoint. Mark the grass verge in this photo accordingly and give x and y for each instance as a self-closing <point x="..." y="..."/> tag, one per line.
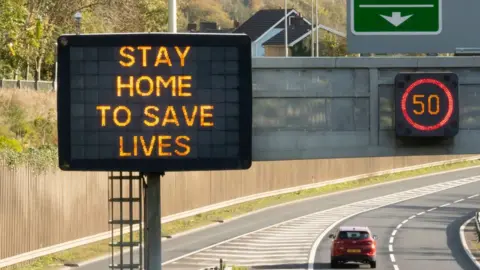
<point x="90" y="251"/>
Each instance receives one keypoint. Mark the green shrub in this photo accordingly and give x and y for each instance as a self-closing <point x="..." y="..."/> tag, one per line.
<point x="10" y="144"/>
<point x="40" y="160"/>
<point x="27" y="137"/>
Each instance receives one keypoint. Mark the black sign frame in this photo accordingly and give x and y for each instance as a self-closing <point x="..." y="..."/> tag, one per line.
<point x="448" y="82"/>
<point x="154" y="165"/>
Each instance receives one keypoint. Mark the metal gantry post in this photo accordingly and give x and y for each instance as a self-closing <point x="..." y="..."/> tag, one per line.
<point x="153" y="225"/>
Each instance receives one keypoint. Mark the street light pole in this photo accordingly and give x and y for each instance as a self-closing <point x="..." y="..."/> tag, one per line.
<point x="316" y="30"/>
<point x="286" y="30"/>
<point x="312" y="46"/>
<point x="78" y="19"/>
<point x="172" y="16"/>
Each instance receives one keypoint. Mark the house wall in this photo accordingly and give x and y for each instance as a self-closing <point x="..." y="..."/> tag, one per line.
<point x="276" y="50"/>
<point x="258" y="49"/>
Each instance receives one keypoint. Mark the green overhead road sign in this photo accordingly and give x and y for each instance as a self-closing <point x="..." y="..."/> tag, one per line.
<point x="396" y="17"/>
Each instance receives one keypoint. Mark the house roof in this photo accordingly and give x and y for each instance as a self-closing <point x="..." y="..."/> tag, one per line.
<point x="294" y="32"/>
<point x="320" y="26"/>
<point x="261" y="21"/>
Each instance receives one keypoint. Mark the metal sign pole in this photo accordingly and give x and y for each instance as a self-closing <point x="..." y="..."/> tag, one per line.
<point x="153" y="225"/>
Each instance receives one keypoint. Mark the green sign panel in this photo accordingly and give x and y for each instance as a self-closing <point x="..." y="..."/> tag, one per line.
<point x="396" y="17"/>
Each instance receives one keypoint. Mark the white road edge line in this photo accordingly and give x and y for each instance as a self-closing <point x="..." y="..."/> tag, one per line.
<point x="465" y="245"/>
<point x="313" y="250"/>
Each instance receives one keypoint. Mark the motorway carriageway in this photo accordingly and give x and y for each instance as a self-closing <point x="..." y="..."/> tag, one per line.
<point x="287" y="237"/>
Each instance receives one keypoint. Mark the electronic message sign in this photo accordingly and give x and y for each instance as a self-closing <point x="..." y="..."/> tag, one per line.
<point x="426" y="104"/>
<point x="154" y="102"/>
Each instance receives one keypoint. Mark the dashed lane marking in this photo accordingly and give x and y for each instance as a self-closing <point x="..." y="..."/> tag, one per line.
<point x="394" y="232"/>
<point x="290" y="242"/>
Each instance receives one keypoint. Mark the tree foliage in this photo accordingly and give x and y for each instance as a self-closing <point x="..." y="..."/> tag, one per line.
<point x="30" y="28"/>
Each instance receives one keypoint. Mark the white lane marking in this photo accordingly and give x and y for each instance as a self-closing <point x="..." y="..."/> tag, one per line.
<point x="388" y="200"/>
<point x="394" y="232"/>
<point x="395" y="267"/>
<point x="254" y="253"/>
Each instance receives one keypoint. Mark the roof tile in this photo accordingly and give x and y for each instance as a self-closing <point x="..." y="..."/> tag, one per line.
<point x="260" y="22"/>
<point x="294" y="32"/>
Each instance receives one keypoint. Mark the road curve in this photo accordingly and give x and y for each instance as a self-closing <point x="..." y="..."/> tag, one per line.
<point x="417" y="234"/>
<point x="184" y="246"/>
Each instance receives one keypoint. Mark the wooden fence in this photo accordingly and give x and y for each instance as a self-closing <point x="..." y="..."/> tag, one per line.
<point x="41" y="210"/>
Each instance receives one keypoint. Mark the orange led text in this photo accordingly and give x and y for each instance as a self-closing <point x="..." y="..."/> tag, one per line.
<point x="146" y="86"/>
<point x="159" y="146"/>
<point x="161" y="56"/>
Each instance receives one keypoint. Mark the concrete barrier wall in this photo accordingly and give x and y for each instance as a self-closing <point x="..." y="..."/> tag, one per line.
<point x="37" y="211"/>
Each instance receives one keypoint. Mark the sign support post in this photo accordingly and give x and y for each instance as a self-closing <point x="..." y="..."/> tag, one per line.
<point x="153" y="224"/>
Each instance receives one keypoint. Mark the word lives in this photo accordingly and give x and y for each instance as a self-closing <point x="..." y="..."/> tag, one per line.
<point x="166" y="119"/>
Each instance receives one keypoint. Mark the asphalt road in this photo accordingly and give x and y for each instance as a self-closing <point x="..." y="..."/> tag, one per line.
<point x="183" y="245"/>
<point x="417" y="234"/>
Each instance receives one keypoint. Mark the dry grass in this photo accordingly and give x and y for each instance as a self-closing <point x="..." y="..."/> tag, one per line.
<point x="35" y="103"/>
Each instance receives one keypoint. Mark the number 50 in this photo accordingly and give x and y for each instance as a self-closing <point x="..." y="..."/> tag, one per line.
<point x="433" y="111"/>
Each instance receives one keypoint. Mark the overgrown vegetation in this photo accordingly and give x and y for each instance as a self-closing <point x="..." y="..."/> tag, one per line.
<point x="28" y="134"/>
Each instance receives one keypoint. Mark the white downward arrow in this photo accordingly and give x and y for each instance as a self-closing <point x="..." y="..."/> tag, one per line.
<point x="396" y="19"/>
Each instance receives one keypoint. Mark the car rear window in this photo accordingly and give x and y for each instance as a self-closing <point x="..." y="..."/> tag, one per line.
<point x="344" y="235"/>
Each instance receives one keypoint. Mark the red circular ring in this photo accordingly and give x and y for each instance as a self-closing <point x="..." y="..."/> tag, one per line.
<point x="439" y="124"/>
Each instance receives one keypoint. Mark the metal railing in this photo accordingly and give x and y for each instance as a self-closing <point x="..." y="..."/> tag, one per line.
<point x="36" y="85"/>
<point x="477" y="225"/>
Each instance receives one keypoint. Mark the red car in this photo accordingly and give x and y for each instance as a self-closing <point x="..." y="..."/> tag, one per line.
<point x="353" y="244"/>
